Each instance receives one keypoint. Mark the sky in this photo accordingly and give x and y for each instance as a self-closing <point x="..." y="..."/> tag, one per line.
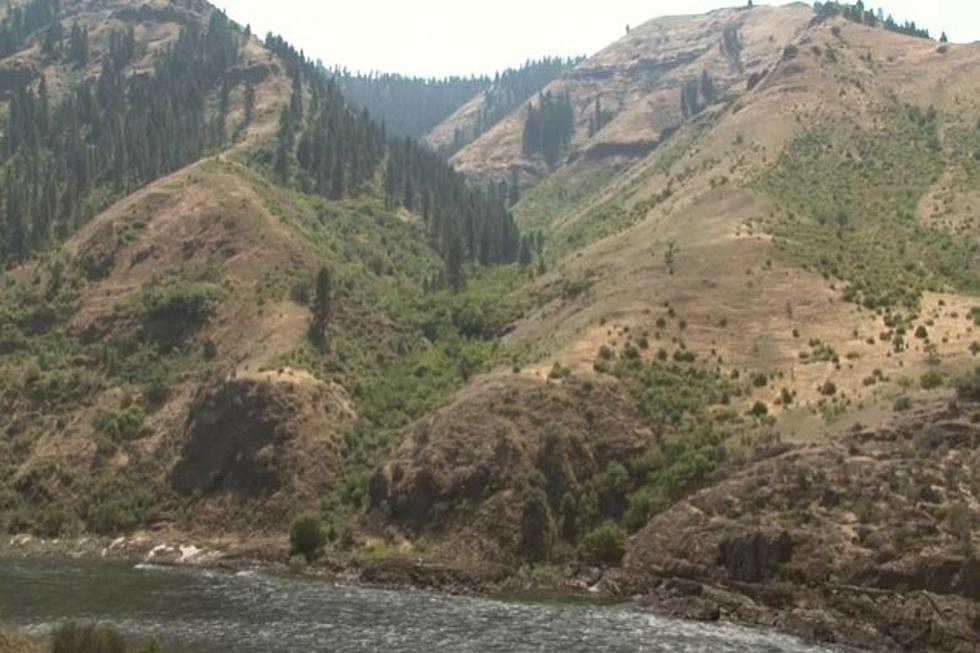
<point x="461" y="37"/>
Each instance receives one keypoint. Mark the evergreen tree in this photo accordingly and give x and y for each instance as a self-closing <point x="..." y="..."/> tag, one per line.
<point x="708" y="91"/>
<point x="690" y="106"/>
<point x="322" y="309"/>
<point x="249" y="110"/>
<point x="78" y="47"/>
<point x="548" y="128"/>
<point x="104" y="138"/>
<point x="454" y="262"/>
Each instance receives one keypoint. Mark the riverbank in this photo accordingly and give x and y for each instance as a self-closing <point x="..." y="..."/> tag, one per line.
<point x="852" y="617"/>
<point x="14" y="641"/>
<point x="235" y="554"/>
<point x="677" y="599"/>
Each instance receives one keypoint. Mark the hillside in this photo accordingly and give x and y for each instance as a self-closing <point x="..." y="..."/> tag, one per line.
<point x="777" y="268"/>
<point x="496" y="101"/>
<point x="637" y="81"/>
<point x="213" y="301"/>
<point x="705" y="353"/>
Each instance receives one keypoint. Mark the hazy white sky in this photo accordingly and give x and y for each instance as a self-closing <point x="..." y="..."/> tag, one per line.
<point x="443" y="37"/>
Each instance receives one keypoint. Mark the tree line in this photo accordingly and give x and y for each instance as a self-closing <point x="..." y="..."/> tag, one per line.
<point x="409" y="106"/>
<point x="858" y="13"/>
<point x="110" y="135"/>
<point x="328" y="147"/>
<point x="508" y="91"/>
<point x="694" y="90"/>
<point x="549" y="127"/>
<point x="22" y="21"/>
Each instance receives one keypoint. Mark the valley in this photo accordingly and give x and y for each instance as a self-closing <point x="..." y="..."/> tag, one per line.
<point x="692" y="319"/>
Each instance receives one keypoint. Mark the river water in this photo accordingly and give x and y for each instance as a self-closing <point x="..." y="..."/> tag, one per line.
<point x="195" y="611"/>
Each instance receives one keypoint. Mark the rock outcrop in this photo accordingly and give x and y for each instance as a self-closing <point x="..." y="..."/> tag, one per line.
<point x="492" y="468"/>
<point x="836" y="542"/>
<point x="269" y="439"/>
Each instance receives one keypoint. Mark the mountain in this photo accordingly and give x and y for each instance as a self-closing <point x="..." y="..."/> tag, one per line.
<point x="630" y="92"/>
<point x="731" y="281"/>
<point x="692" y="320"/>
<point x="193" y="218"/>
<point x="451" y="112"/>
<point x="431" y="100"/>
<point x="497" y="100"/>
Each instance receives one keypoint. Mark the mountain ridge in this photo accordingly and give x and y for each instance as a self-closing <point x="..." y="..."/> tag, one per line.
<point x="754" y="256"/>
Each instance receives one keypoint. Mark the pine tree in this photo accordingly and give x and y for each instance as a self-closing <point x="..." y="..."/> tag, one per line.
<point x="249" y="109"/>
<point x="409" y="201"/>
<point x="391" y="183"/>
<point x="322" y="309"/>
<point x="454" y="262"/>
<point x="296" y="100"/>
<point x="708" y="91"/>
<point x="514" y="191"/>
<point x="525" y="256"/>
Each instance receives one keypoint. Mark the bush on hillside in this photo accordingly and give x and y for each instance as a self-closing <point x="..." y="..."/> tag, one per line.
<point x="120" y="425"/>
<point x="828" y="389"/>
<point x="537" y="527"/>
<point x="190" y="302"/>
<point x="307" y="536"/>
<point x="604" y="545"/>
<point x="968" y="388"/>
<point x="931" y="380"/>
<point x="902" y="404"/>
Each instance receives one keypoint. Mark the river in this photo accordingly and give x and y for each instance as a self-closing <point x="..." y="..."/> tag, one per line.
<point x="197" y="611"/>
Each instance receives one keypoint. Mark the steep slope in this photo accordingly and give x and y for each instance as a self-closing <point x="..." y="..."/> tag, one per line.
<point x="211" y="344"/>
<point x="754" y="251"/>
<point x="791" y="262"/>
<point x="495" y="101"/>
<point x="637" y="82"/>
<point x="431" y="100"/>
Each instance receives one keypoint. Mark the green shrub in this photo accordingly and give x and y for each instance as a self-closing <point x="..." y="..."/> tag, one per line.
<point x="120" y="505"/>
<point x="685" y="356"/>
<point x="642" y="505"/>
<point x="604" y="545"/>
<point x="72" y="638"/>
<point x="902" y="404"/>
<point x="306" y="536"/>
<point x="931" y="380"/>
<point x="759" y="410"/>
<point x="828" y="389"/>
<point x="614" y="478"/>
<point x="558" y="371"/>
<point x="537" y="526"/>
<point x="760" y="380"/>
<point x="190" y="302"/>
<point x="786" y="397"/>
<point x="968" y="388"/>
<point x="117" y="426"/>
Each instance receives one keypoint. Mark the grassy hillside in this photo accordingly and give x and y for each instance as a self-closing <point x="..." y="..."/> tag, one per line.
<point x="716" y="280"/>
<point x="124" y="345"/>
<point x="791" y="263"/>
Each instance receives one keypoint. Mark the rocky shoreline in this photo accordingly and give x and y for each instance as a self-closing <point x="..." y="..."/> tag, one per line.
<point x="675" y="597"/>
